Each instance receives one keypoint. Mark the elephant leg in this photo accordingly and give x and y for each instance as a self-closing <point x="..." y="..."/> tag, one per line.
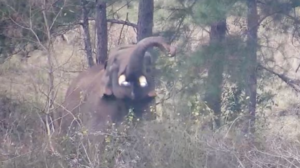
<point x="108" y="114"/>
<point x="144" y="109"/>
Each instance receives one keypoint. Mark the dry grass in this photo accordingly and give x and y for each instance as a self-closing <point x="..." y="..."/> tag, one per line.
<point x="164" y="143"/>
<point x="159" y="144"/>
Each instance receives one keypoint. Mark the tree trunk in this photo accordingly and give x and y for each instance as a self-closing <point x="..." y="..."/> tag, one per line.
<point x="252" y="22"/>
<point x="101" y="32"/>
<point x="215" y="72"/>
<point x="145" y="19"/>
<point x="87" y="36"/>
<point x="144" y="29"/>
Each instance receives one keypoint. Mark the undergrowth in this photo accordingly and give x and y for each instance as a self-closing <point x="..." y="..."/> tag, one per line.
<point x="160" y="144"/>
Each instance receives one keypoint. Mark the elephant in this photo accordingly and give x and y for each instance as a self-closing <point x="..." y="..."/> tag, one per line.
<point x="104" y="93"/>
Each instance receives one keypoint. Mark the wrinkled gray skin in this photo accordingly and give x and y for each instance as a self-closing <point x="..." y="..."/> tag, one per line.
<point x="95" y="96"/>
<point x="134" y="61"/>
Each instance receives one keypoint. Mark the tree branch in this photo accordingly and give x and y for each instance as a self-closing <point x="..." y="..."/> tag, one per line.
<point x="122" y="22"/>
<point x="297" y="68"/>
<point x="287" y="80"/>
<point x="115" y="21"/>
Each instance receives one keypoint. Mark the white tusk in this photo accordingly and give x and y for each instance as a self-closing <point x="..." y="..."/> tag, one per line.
<point x="122" y="81"/>
<point x="143" y="81"/>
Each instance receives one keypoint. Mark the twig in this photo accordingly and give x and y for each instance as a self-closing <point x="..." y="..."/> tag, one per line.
<point x="56" y="16"/>
<point x="120" y="35"/>
<point x="297" y="68"/>
<point x="287" y="80"/>
<point x="122" y="22"/>
<point x="116" y="21"/>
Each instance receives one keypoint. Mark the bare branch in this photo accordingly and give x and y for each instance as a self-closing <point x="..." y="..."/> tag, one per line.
<point x="287" y="80"/>
<point x="115" y="21"/>
<point x="295" y="19"/>
<point x="56" y="16"/>
<point x="124" y="22"/>
<point x="121" y="32"/>
<point x="125" y="5"/>
<point x="297" y="68"/>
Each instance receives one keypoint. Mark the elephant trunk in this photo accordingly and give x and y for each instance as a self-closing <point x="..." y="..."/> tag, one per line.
<point x="136" y="60"/>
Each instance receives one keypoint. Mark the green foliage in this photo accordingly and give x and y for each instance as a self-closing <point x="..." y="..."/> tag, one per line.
<point x="235" y="53"/>
<point x="23" y="23"/>
<point x="207" y="12"/>
<point x="280" y="6"/>
<point x="183" y="138"/>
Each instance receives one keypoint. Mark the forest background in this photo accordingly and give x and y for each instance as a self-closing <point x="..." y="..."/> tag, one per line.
<point x="228" y="99"/>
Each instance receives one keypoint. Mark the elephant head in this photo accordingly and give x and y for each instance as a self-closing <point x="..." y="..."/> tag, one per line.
<point x="105" y="93"/>
<point x="126" y="74"/>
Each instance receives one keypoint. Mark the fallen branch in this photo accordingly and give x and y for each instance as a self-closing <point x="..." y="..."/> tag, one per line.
<point x="122" y="22"/>
<point x="115" y="21"/>
<point x="287" y="80"/>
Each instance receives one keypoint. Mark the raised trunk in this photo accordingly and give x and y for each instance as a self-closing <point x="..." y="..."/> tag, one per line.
<point x="87" y="37"/>
<point x="252" y="23"/>
<point x="215" y="72"/>
<point x="135" y="65"/>
<point x="101" y="31"/>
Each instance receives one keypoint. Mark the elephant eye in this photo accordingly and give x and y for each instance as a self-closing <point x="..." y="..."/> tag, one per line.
<point x="122" y="81"/>
<point x="143" y="81"/>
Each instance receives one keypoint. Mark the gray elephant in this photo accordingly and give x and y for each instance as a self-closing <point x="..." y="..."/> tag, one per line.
<point x="104" y="94"/>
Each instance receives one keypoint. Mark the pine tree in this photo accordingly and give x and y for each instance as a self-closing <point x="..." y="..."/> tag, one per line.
<point x="101" y="32"/>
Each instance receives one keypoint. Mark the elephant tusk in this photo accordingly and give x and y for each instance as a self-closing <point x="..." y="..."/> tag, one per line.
<point x="122" y="81"/>
<point x="143" y="81"/>
<point x="122" y="78"/>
